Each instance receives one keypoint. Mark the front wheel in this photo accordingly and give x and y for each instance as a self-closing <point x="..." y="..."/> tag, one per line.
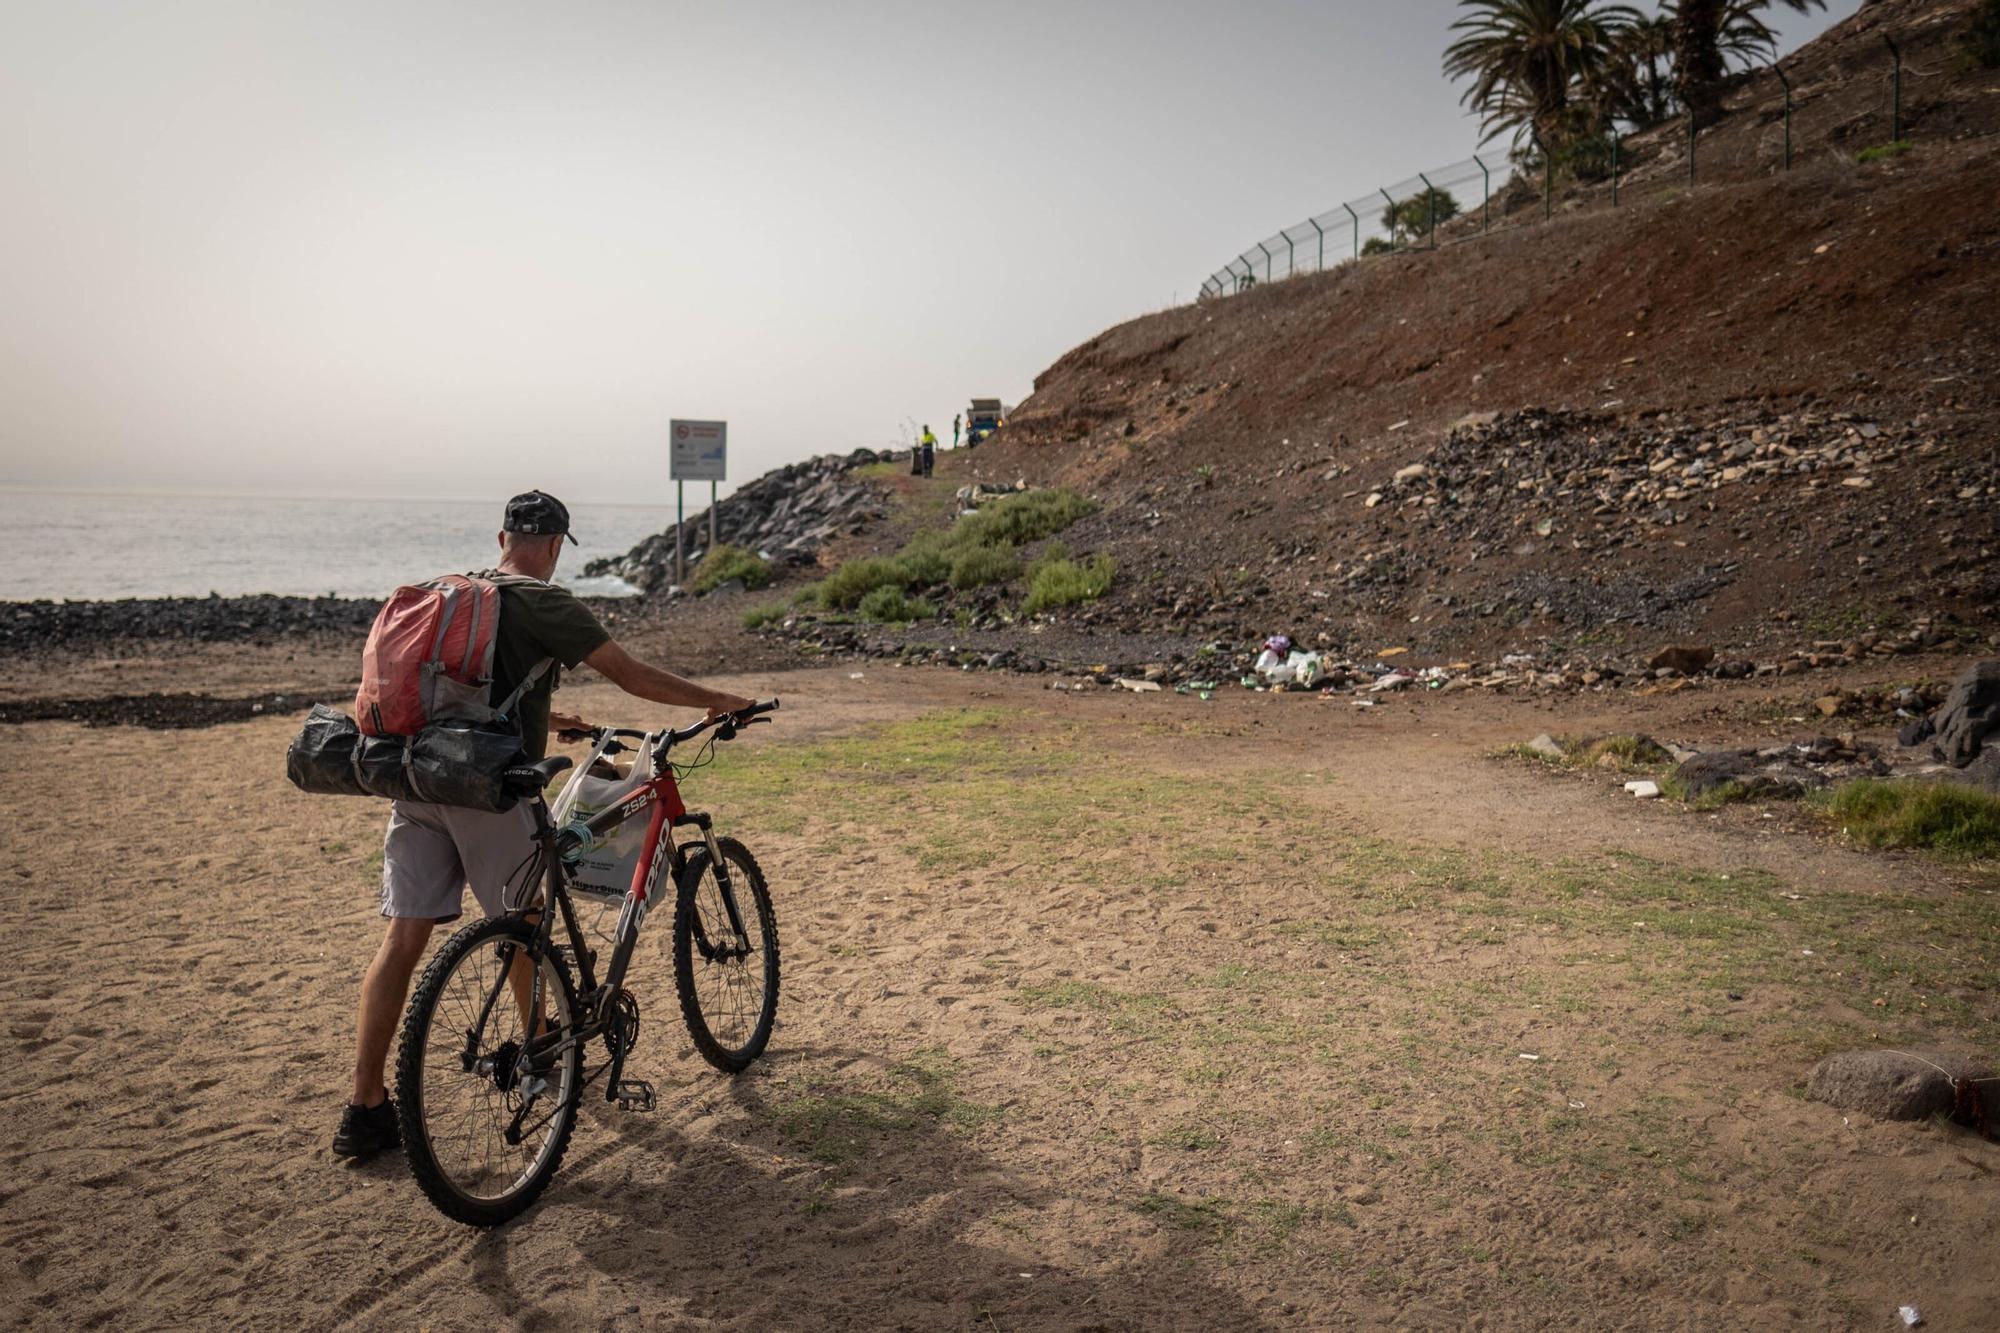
<point x="726" y="955"/>
<point x="485" y="1118"/>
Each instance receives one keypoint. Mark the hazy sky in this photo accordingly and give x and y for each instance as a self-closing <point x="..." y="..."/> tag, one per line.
<point x="468" y="248"/>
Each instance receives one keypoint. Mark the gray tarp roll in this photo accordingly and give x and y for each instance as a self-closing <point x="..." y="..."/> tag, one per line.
<point x="449" y="764"/>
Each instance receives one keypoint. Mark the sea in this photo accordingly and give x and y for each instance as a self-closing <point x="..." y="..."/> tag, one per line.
<point x="87" y="545"/>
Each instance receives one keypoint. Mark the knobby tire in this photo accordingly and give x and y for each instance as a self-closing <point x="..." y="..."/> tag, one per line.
<point x="431" y="1176"/>
<point x="753" y="902"/>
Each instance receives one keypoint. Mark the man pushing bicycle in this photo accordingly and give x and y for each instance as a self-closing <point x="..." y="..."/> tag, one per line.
<point x="432" y="852"/>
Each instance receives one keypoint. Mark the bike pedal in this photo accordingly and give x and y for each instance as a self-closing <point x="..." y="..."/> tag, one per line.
<point x="634" y="1094"/>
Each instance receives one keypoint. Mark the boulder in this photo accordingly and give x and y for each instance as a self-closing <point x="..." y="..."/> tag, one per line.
<point x="1688" y="659"/>
<point x="1969" y="714"/>
<point x="1891" y="1085"/>
<point x="1983" y="772"/>
<point x="1706" y="773"/>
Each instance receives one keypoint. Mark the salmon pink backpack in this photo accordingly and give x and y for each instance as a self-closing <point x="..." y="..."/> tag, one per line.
<point x="430" y="658"/>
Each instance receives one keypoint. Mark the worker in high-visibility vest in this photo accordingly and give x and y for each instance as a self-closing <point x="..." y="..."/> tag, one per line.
<point x="927" y="450"/>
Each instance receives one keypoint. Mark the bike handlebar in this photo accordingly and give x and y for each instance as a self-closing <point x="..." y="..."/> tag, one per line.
<point x="727" y="723"/>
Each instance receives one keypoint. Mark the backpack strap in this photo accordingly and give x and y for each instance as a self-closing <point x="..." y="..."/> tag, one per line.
<point x="505" y="710"/>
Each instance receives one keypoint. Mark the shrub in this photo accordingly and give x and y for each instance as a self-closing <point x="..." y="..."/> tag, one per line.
<point x="730" y="562"/>
<point x="1016" y="520"/>
<point x="1982" y="35"/>
<point x="975" y="551"/>
<point x="1375" y="245"/>
<point x="1881" y="151"/>
<point x="978" y="566"/>
<point x="768" y="614"/>
<point x="843" y="589"/>
<point x="925" y="560"/>
<point x="889" y="605"/>
<point x="1944" y="817"/>
<point x="1067" y="582"/>
<point x="806" y="593"/>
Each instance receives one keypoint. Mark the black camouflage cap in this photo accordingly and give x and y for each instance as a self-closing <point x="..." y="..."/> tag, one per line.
<point x="538" y="514"/>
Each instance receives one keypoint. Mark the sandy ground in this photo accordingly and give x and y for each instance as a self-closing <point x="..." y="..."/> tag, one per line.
<point x="1100" y="1011"/>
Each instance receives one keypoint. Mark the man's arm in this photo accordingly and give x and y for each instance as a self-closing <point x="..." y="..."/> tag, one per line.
<point x="647" y="681"/>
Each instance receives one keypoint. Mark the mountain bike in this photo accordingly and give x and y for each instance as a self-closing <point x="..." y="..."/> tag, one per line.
<point x="491" y="1069"/>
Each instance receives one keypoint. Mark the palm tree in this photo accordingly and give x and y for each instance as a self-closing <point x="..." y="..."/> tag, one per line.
<point x="1708" y="32"/>
<point x="1637" y="85"/>
<point x="1528" y="60"/>
<point x="1639" y="82"/>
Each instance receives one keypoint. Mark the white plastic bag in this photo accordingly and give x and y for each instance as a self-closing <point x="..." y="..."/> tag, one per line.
<point x="606" y="869"/>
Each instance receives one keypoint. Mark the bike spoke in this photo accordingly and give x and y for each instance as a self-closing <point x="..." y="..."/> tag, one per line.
<point x="467" y="1114"/>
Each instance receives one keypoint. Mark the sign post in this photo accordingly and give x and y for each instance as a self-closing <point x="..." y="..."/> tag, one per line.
<point x="697" y="451"/>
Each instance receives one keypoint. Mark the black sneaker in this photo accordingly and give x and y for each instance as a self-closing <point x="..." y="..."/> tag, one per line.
<point x="367" y="1130"/>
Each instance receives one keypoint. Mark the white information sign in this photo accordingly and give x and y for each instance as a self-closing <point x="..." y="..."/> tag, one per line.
<point x="699" y="451"/>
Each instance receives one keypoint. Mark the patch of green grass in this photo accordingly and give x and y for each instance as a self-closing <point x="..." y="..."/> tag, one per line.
<point x="1876" y="154"/>
<point x="731" y="562"/>
<point x="1351" y="936"/>
<point x="837" y="1127"/>
<point x="1727" y="793"/>
<point x="893" y="606"/>
<point x="1210" y="1217"/>
<point x="1942" y="817"/>
<point x="1057" y="583"/>
<point x="1188" y="1136"/>
<point x="1625" y="754"/>
<point x="771" y="613"/>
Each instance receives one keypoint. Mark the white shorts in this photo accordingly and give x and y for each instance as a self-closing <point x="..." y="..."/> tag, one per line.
<point x="431" y="853"/>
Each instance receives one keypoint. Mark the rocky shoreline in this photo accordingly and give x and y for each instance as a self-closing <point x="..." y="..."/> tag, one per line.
<point x="786" y="516"/>
<point x="27" y="628"/>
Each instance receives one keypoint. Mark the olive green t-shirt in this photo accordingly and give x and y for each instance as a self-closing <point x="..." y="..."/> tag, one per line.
<point x="538" y="620"/>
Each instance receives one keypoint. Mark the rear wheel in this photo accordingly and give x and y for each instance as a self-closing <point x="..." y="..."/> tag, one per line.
<point x="485" y="1124"/>
<point x="726" y="955"/>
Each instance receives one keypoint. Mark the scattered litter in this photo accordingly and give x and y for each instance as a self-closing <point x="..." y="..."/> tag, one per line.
<point x="1363" y="703"/>
<point x="855" y="675"/>
<point x="1644" y="789"/>
<point x="1576" y="1106"/>
<point x="1534" y="1058"/>
<point x="1400" y="424"/>
<point x="1807" y="952"/>
<point x="1282" y="668"/>
<point x="1912" y="1316"/>
<point x="1138" y="686"/>
<point x="1390" y="652"/>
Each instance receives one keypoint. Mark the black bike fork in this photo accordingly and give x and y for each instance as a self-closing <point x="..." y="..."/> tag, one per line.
<point x="722" y="881"/>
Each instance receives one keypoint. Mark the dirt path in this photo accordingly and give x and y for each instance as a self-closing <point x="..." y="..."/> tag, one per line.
<point x="1101" y="1011"/>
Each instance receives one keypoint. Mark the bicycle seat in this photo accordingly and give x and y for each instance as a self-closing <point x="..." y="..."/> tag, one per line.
<point x="527" y="779"/>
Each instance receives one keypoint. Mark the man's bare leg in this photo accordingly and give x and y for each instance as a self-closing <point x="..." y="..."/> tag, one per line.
<point x="383" y="990"/>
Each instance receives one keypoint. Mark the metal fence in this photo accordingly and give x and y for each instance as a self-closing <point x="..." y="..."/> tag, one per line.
<point x="1488" y="190"/>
